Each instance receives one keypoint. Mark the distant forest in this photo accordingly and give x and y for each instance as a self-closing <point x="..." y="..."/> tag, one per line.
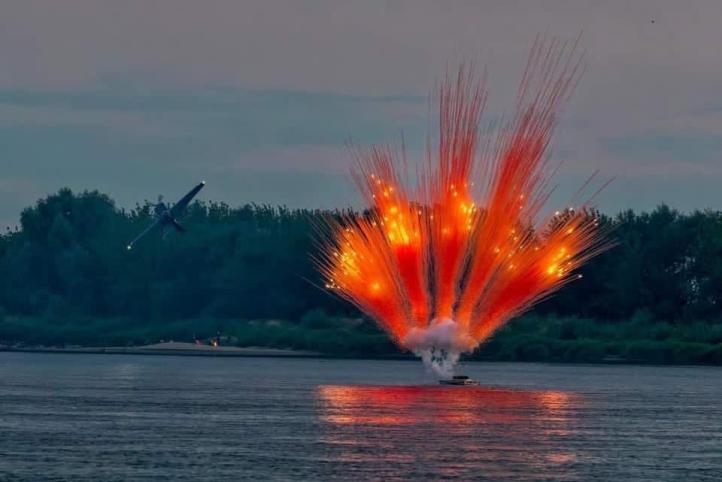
<point x="247" y="272"/>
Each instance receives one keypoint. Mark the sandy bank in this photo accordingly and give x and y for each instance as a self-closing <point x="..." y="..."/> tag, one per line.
<point x="171" y="348"/>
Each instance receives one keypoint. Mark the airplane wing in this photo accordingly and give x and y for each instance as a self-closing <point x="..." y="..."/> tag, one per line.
<point x="181" y="205"/>
<point x="156" y="224"/>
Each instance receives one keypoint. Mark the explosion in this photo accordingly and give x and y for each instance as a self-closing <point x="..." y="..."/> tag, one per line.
<point x="442" y="266"/>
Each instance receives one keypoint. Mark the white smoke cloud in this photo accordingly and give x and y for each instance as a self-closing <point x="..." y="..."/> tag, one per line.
<point x="439" y="345"/>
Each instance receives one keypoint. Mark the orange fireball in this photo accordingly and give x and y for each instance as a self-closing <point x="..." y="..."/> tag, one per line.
<point x="468" y="248"/>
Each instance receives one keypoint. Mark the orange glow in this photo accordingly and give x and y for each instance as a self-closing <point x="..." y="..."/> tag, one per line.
<point x="416" y="405"/>
<point x="447" y="250"/>
<point x="464" y="431"/>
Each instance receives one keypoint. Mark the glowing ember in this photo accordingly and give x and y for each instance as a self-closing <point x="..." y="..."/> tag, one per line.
<point x="439" y="271"/>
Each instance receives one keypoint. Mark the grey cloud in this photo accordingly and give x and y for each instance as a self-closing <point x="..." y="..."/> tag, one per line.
<point x="131" y="144"/>
<point x="137" y="96"/>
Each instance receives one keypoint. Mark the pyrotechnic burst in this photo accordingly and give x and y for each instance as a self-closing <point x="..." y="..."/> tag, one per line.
<point x="441" y="267"/>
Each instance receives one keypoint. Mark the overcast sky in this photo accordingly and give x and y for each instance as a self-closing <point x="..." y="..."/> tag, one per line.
<point x="259" y="98"/>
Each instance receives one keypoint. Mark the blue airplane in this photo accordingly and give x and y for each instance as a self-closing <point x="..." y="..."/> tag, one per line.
<point x="166" y="216"/>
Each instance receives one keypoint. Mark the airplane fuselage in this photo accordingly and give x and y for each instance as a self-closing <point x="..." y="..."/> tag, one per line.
<point x="166" y="215"/>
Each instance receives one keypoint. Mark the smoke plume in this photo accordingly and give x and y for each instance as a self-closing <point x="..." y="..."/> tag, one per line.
<point x="439" y="345"/>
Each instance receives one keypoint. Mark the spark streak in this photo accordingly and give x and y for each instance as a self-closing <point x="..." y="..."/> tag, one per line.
<point x="438" y="270"/>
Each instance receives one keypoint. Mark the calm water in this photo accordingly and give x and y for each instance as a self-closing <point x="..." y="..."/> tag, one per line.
<point x="116" y="417"/>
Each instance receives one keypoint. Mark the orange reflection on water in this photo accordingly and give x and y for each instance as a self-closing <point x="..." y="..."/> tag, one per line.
<point x="453" y="431"/>
<point x="399" y="405"/>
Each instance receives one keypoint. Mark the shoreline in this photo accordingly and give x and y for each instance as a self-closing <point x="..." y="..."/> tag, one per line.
<point x="191" y="349"/>
<point x="171" y="348"/>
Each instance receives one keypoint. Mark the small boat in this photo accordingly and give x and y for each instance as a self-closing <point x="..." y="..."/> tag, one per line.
<point x="459" y="380"/>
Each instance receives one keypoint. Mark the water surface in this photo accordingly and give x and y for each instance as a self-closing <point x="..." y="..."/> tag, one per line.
<point x="122" y="417"/>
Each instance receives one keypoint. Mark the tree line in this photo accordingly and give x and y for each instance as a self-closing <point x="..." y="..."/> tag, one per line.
<point x="67" y="263"/>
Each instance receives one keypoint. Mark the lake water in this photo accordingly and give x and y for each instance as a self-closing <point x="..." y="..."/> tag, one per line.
<point x="121" y="417"/>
